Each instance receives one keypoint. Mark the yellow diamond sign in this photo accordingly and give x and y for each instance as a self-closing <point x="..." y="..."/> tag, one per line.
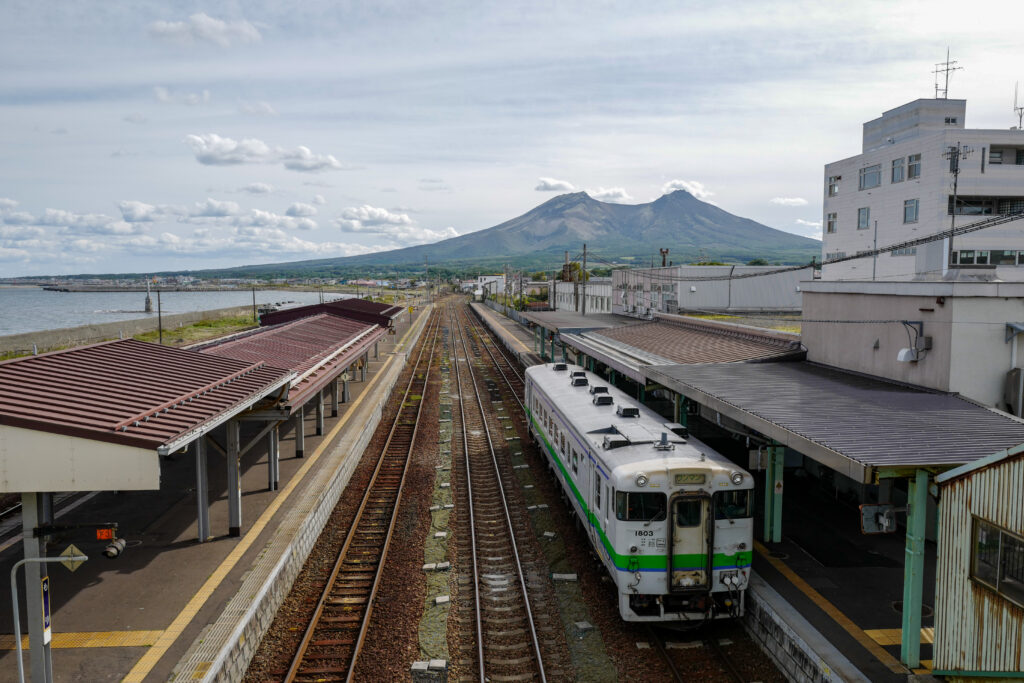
<point x="72" y="551"/>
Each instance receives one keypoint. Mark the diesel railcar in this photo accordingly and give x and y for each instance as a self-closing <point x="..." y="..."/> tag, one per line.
<point x="669" y="517"/>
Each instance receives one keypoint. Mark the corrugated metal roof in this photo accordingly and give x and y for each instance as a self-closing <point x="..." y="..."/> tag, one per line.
<point x="364" y="306"/>
<point x="318" y="348"/>
<point x="130" y="392"/>
<point x="568" y="321"/>
<point x="685" y="342"/>
<point x="850" y="422"/>
<point x="353" y="309"/>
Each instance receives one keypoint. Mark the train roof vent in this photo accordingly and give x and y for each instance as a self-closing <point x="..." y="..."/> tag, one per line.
<point x="613" y="441"/>
<point x="602" y="400"/>
<point x="578" y="373"/>
<point x="559" y="367"/>
<point x="677" y="429"/>
<point x="578" y="381"/>
<point x="627" y="411"/>
<point x="596" y="389"/>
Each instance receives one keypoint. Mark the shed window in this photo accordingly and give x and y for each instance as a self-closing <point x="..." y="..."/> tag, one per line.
<point x="997" y="560"/>
<point x="636" y="506"/>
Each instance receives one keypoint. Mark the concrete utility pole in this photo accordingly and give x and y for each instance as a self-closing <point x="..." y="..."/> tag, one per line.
<point x="583" y="276"/>
<point x="954" y="154"/>
<point x="426" y="278"/>
<point x="664" y="253"/>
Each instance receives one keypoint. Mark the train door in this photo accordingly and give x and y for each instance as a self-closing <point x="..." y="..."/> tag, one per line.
<point x="690" y="556"/>
<point x="595" y="509"/>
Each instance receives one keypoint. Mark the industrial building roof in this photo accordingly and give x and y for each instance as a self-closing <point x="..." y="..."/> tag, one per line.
<point x="131" y="392"/>
<point x="317" y="348"/>
<point x="853" y="423"/>
<point x="685" y="341"/>
<point x="567" y="321"/>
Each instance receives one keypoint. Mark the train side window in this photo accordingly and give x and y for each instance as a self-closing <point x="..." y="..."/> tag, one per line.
<point x="732" y="505"/>
<point x="608" y="498"/>
<point x="636" y="506"/>
<point x="575" y="462"/>
<point x="597" y="491"/>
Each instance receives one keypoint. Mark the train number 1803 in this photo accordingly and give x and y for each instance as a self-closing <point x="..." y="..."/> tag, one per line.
<point x="643" y="532"/>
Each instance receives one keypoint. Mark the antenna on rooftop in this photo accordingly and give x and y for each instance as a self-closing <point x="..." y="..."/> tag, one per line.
<point x="945" y="68"/>
<point x="1017" y="109"/>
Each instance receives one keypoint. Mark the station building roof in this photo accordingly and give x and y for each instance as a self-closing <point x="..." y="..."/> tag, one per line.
<point x="568" y="322"/>
<point x="316" y="348"/>
<point x="354" y="309"/>
<point x="855" y="424"/>
<point x="79" y="419"/>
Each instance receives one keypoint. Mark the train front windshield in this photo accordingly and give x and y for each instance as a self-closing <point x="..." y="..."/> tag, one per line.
<point x="732" y="504"/>
<point x="636" y="506"/>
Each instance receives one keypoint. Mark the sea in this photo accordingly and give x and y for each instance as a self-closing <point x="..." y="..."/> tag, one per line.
<point x="33" y="309"/>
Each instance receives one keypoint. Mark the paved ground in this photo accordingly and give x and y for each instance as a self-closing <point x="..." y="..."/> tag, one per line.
<point x="110" y="613"/>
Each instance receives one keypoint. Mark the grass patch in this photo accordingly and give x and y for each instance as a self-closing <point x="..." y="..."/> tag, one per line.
<point x="200" y="331"/>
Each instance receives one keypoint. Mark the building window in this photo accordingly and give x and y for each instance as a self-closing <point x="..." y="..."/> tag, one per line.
<point x="833" y="185"/>
<point x="897" y="170"/>
<point x="981" y="259"/>
<point x="831" y="255"/>
<point x="913" y="166"/>
<point x="995" y="156"/>
<point x="967" y="257"/>
<point x="1007" y="206"/>
<point x="830" y="222"/>
<point x="910" y="211"/>
<point x="1002" y="257"/>
<point x="864" y="218"/>
<point x="1020" y="157"/>
<point x="950" y="120"/>
<point x="997" y="560"/>
<point x="870" y="177"/>
<point x="904" y="251"/>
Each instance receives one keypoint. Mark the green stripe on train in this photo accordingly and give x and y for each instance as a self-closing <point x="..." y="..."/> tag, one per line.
<point x="638" y="562"/>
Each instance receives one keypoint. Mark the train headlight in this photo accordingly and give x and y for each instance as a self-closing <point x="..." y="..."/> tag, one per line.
<point x="737" y="478"/>
<point x="641" y="479"/>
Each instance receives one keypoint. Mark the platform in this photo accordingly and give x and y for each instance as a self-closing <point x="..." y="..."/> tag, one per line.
<point x="133" y="618"/>
<point x="514" y="336"/>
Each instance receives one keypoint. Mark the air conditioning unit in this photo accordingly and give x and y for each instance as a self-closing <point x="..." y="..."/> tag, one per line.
<point x="578" y="381"/>
<point x="627" y="411"/>
<point x="602" y="400"/>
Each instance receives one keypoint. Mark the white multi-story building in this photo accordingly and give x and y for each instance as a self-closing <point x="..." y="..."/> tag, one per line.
<point x="901" y="187"/>
<point x="569" y="296"/>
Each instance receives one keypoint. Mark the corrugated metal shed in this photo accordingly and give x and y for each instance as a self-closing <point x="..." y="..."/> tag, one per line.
<point x="851" y="423"/>
<point x="317" y="348"/>
<point x="976" y="629"/>
<point x="131" y="392"/>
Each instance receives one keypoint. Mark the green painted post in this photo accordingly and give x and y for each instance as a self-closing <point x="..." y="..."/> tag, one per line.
<point x="773" y="494"/>
<point x="564" y="359"/>
<point x="676" y="402"/>
<point x="611" y="377"/>
<point x="552" y="348"/>
<point x="642" y="390"/>
<point x="913" y="569"/>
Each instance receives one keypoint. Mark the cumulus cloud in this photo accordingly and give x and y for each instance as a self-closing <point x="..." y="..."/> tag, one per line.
<point x="399" y="226"/>
<point x="213" y="208"/>
<point x="300" y="210"/>
<point x="8" y="254"/>
<point x="260" y="108"/>
<point x="213" y="150"/>
<point x="268" y="219"/>
<point x="135" y="118"/>
<point x="7" y="204"/>
<point x="302" y="159"/>
<point x="612" y="195"/>
<point x="809" y="224"/>
<point x="20" y="233"/>
<point x="694" y="187"/>
<point x="18" y="218"/>
<point x="257" y="188"/>
<point x="553" y="185"/>
<point x="789" y="201"/>
<point x="319" y="200"/>
<point x="202" y="28"/>
<point x="138" y="212"/>
<point x="165" y="96"/>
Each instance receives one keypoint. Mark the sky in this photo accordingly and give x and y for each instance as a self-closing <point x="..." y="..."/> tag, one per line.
<point x="145" y="136"/>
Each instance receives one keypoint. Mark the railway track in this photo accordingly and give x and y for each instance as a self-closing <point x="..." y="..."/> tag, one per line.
<point x="505" y="633"/>
<point x="333" y="638"/>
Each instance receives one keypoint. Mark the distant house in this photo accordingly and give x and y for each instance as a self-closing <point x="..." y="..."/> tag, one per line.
<point x="979" y="610"/>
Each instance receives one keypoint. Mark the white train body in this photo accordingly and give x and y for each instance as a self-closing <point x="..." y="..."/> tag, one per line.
<point x="670" y="518"/>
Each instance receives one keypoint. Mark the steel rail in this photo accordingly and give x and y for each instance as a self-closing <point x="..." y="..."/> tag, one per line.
<point x="485" y="332"/>
<point x="508" y="517"/>
<point x="307" y="638"/>
<point x="659" y="645"/>
<point x="730" y="668"/>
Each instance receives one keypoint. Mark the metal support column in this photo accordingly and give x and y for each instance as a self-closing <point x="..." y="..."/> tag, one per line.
<point x="611" y="378"/>
<point x="320" y="413"/>
<point x="273" y="459"/>
<point x="234" y="479"/>
<point x="334" y="398"/>
<point x="202" y="491"/>
<point x="376" y="351"/>
<point x="362" y="369"/>
<point x="300" y="431"/>
<point x="552" y="348"/>
<point x="344" y="391"/>
<point x="35" y="574"/>
<point x="641" y="391"/>
<point x="564" y="360"/>
<point x="913" y="569"/>
<point x="773" y="494"/>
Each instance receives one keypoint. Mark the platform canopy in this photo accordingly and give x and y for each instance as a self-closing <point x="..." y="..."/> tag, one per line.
<point x="317" y="349"/>
<point x="858" y="425"/>
<point x="568" y="322"/>
<point x="96" y="418"/>
<point x="353" y="309"/>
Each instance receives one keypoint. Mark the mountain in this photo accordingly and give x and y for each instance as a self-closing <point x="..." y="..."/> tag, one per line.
<point x="691" y="229"/>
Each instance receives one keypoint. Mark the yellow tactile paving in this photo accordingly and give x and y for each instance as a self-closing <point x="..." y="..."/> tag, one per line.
<point x="90" y="639"/>
<point x="926" y="667"/>
<point x="170" y="635"/>
<point x="894" y="636"/>
<point x="831" y="610"/>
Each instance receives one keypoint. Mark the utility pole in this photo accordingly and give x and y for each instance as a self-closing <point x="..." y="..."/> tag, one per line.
<point x="583" y="276"/>
<point x="664" y="253"/>
<point x="955" y="154"/>
<point x="874" y="259"/>
<point x="426" y="277"/>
